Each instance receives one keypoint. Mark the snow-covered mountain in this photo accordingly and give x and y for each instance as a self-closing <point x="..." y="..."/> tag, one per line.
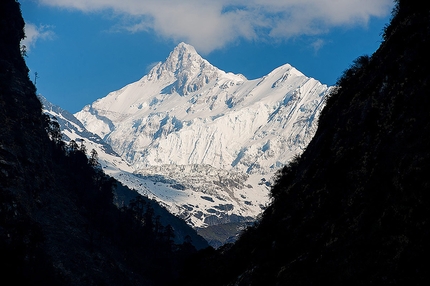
<point x="115" y="166"/>
<point x="191" y="192"/>
<point x="186" y="111"/>
<point x="204" y="142"/>
<point x="72" y="129"/>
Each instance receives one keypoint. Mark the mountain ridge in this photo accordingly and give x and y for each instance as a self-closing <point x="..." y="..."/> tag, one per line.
<point x="58" y="221"/>
<point x="353" y="209"/>
<point x="202" y="198"/>
<point x="186" y="112"/>
<point x="151" y="113"/>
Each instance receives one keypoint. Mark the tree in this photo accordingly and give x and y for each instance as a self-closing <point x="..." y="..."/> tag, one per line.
<point x="53" y="129"/>
<point x="94" y="158"/>
<point x="83" y="148"/>
<point x="23" y="50"/>
<point x="148" y="218"/>
<point x="73" y="146"/>
<point x="169" y="234"/>
<point x="137" y="206"/>
<point x="188" y="239"/>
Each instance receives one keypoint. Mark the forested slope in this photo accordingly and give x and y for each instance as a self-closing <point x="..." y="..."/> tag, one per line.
<point x="58" y="222"/>
<point x="354" y="209"/>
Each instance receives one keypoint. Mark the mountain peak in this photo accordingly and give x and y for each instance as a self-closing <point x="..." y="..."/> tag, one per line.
<point x="182" y="57"/>
<point x="184" y="49"/>
<point x="185" y="69"/>
<point x="215" y="134"/>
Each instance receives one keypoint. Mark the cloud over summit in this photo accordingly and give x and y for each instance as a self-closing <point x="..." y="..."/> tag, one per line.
<point x="211" y="24"/>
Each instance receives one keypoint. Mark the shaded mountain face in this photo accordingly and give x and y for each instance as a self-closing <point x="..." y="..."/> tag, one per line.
<point x="113" y="165"/>
<point x="58" y="223"/>
<point x="354" y="209"/>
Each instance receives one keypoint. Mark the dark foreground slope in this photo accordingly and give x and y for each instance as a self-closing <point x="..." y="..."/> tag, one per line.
<point x="355" y="208"/>
<point x="58" y="223"/>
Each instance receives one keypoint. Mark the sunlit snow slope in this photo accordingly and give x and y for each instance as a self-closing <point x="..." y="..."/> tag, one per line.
<point x="213" y="138"/>
<point x="196" y="200"/>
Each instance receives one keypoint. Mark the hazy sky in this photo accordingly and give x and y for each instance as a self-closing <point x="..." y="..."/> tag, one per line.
<point x="83" y="49"/>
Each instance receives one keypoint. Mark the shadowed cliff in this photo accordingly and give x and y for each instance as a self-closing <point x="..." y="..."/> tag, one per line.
<point x="58" y="222"/>
<point x="354" y="209"/>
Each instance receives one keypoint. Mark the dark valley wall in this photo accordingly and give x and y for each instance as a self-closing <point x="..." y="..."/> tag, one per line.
<point x="354" y="209"/>
<point x="58" y="223"/>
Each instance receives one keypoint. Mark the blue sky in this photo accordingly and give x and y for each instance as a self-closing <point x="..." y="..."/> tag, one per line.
<point x="84" y="49"/>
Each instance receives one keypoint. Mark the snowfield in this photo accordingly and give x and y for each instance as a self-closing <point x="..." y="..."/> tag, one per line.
<point x="203" y="142"/>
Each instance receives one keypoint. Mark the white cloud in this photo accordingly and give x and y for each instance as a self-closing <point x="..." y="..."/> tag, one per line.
<point x="317" y="45"/>
<point x="211" y="24"/>
<point x="33" y="33"/>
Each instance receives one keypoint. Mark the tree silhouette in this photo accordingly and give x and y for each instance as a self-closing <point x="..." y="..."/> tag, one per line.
<point x="53" y="129"/>
<point x="94" y="158"/>
<point x="72" y="147"/>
